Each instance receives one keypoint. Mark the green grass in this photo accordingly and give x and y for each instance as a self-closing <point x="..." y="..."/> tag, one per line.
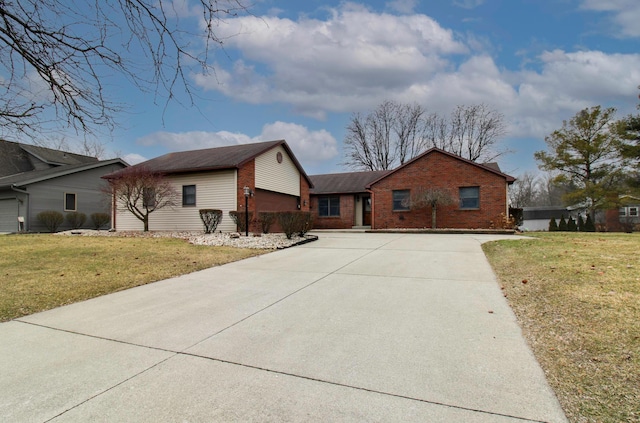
<point x="40" y="272"/>
<point x="577" y="297"/>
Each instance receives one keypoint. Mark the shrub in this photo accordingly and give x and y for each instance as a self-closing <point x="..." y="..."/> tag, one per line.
<point x="562" y="224"/>
<point x="51" y="219"/>
<point x="503" y="222"/>
<point x="289" y="222"/>
<point x="295" y="222"/>
<point x="553" y="226"/>
<point x="239" y="218"/>
<point x="210" y="218"/>
<point x="76" y="219"/>
<point x="266" y="219"/>
<point x="100" y="219"/>
<point x="588" y="225"/>
<point x="305" y="222"/>
<point x="571" y="225"/>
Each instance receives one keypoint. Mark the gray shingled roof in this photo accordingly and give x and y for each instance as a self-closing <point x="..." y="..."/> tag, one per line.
<point x="14" y="157"/>
<point x="26" y="178"/>
<point x="207" y="159"/>
<point x="217" y="158"/>
<point x="344" y="183"/>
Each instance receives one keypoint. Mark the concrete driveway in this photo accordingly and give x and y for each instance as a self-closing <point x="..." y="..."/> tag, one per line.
<point x="352" y="327"/>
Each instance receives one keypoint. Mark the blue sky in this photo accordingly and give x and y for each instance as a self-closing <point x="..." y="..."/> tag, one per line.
<point x="297" y="70"/>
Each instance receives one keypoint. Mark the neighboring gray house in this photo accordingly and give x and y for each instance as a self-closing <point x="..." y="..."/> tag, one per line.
<point x="34" y="179"/>
<point x="537" y="218"/>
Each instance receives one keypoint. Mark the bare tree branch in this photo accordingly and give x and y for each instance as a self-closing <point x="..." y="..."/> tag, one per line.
<point x="57" y="56"/>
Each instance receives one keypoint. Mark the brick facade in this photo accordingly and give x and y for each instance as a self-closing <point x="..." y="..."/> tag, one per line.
<point x="346" y="220"/>
<point x="246" y="177"/>
<point x="436" y="169"/>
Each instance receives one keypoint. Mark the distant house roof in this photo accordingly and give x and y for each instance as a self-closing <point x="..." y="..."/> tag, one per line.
<point x="34" y="176"/>
<point x="344" y="183"/>
<point x="544" y="212"/>
<point x="14" y="157"/>
<point x="209" y="159"/>
<point x="490" y="167"/>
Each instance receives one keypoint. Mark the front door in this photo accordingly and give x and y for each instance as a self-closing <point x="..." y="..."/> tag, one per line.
<point x="366" y="210"/>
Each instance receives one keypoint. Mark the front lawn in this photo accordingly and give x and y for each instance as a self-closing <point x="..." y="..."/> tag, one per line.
<point x="577" y="297"/>
<point x="40" y="272"/>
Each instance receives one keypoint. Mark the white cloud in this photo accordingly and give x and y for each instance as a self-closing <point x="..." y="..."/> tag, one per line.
<point x="309" y="146"/>
<point x="134" y="158"/>
<point x="355" y="59"/>
<point x="625" y="15"/>
<point x="339" y="64"/>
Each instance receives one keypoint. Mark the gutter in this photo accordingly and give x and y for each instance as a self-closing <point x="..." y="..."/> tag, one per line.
<point x="24" y="225"/>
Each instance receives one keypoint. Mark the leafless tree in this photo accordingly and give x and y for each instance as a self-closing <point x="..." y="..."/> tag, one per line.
<point x="431" y="197"/>
<point x="394" y="133"/>
<point x="56" y="56"/>
<point x="523" y="192"/>
<point x="472" y="132"/>
<point x="141" y="192"/>
<point x="386" y="137"/>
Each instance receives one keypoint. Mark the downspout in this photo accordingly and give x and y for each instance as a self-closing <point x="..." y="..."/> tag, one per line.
<point x="22" y="191"/>
<point x="373" y="204"/>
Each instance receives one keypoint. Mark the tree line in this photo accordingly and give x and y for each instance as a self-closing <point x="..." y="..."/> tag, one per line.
<point x="590" y="161"/>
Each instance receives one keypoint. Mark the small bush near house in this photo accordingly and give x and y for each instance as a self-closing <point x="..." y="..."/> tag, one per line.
<point x="288" y="222"/>
<point x="239" y="218"/>
<point x="76" y="219"/>
<point x="295" y="222"/>
<point x="210" y="218"/>
<point x="100" y="220"/>
<point x="503" y="222"/>
<point x="553" y="225"/>
<point x="562" y="224"/>
<point x="51" y="219"/>
<point x="266" y="219"/>
<point x="306" y="222"/>
<point x="571" y="225"/>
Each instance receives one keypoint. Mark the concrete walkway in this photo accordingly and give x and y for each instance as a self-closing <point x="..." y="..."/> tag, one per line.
<point x="352" y="327"/>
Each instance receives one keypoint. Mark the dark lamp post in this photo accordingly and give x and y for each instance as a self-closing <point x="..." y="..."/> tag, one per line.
<point x="247" y="193"/>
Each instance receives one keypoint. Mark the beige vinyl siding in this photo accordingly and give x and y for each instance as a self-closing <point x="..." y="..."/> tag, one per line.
<point x="278" y="177"/>
<point x="214" y="190"/>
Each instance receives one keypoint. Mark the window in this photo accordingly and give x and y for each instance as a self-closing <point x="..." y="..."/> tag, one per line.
<point x="188" y="195"/>
<point x="329" y="206"/>
<point x="622" y="212"/>
<point x="470" y="198"/>
<point x="633" y="211"/>
<point x="401" y="200"/>
<point x="148" y="197"/>
<point x="69" y="202"/>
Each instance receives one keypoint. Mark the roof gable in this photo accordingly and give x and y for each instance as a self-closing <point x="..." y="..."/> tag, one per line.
<point x="216" y="158"/>
<point x="489" y="168"/>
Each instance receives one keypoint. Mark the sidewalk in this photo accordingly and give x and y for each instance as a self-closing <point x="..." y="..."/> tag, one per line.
<point x="352" y="327"/>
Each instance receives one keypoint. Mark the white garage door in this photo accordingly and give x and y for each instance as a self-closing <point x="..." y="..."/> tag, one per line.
<point x="8" y="215"/>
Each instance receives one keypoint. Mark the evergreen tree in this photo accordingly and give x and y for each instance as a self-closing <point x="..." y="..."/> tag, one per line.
<point x="571" y="225"/>
<point x="553" y="226"/>
<point x="562" y="224"/>
<point x="588" y="225"/>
